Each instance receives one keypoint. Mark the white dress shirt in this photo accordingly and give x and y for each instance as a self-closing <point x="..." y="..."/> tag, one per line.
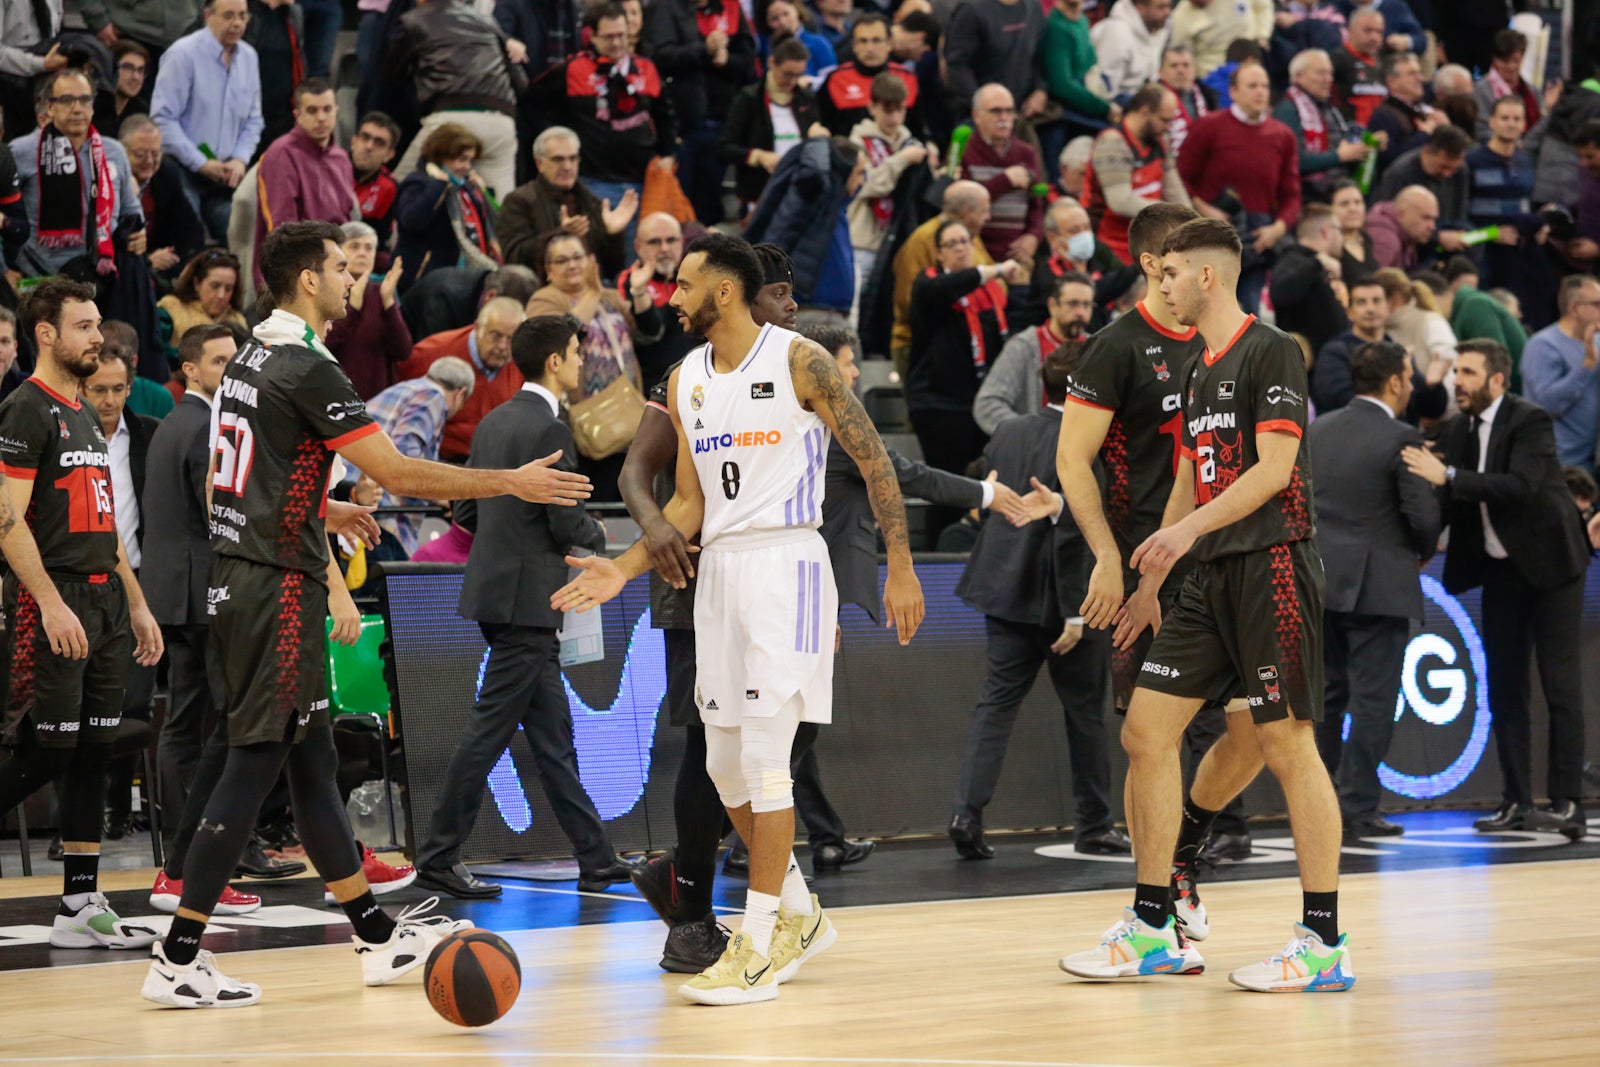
<point x="549" y="397"/>
<point x="123" y="497"/>
<point x="1491" y="540"/>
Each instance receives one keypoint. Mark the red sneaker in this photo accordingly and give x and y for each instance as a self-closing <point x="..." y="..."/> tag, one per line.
<point x="381" y="877"/>
<point x="167" y="892"/>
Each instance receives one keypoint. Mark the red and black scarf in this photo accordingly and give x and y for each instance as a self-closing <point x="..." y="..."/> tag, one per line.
<point x="987" y="297"/>
<point x="61" y="215"/>
<point x="878" y="151"/>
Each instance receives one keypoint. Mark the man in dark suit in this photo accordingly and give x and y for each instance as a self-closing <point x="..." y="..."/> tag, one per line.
<point x="517" y="562"/>
<point x="1515" y="531"/>
<point x="177" y="556"/>
<point x="1375" y="522"/>
<point x="1028" y="581"/>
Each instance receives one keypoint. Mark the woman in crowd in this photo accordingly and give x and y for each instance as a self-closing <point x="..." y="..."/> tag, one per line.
<point x="444" y="214"/>
<point x="1416" y="323"/>
<point x="768" y="119"/>
<point x="958" y="323"/>
<point x="207" y="292"/>
<point x="610" y="327"/>
<point x="130" y="62"/>
<point x="372" y="337"/>
<point x="1350" y="209"/>
<point x="787" y="18"/>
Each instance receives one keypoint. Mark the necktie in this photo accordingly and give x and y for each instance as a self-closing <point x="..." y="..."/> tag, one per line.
<point x="1476" y="443"/>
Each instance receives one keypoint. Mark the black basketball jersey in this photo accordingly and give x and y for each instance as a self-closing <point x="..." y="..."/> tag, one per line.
<point x="1255" y="384"/>
<point x="57" y="443"/>
<point x="1134" y="368"/>
<point x="279" y="415"/>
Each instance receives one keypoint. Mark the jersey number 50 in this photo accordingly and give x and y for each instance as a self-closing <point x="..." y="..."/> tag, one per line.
<point x="236" y="451"/>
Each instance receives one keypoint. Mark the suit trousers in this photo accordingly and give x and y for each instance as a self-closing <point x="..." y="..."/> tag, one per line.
<point x="1362" y="657"/>
<point x="1515" y="617"/>
<point x="521" y="687"/>
<point x="191" y="711"/>
<point x="823" y="824"/>
<point x="1081" y="679"/>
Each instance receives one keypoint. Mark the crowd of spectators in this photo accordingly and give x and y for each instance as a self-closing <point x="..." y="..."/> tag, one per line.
<point x="948" y="177"/>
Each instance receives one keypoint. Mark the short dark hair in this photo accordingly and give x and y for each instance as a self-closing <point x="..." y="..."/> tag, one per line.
<point x="290" y="249"/>
<point x="790" y="50"/>
<point x="193" y="343"/>
<point x="1153" y="223"/>
<point x="869" y="18"/>
<point x="1509" y="98"/>
<point x="731" y="256"/>
<point x="1496" y="360"/>
<point x="1057" y="368"/>
<point x="887" y="88"/>
<point x="127" y="46"/>
<point x="1312" y="218"/>
<point x="447" y="141"/>
<point x="539" y="338"/>
<point x="1241" y="65"/>
<point x="1508" y="43"/>
<point x="1588" y="135"/>
<point x="1392" y="61"/>
<point x="47" y="84"/>
<point x="1449" y="141"/>
<point x="310" y="87"/>
<point x="1436" y="282"/>
<point x="1458" y="267"/>
<point x="1570" y="285"/>
<point x="603" y="9"/>
<point x="1340" y="186"/>
<point x="939" y="231"/>
<point x="1370" y="281"/>
<point x="1374" y="364"/>
<point x="379" y="118"/>
<point x="832" y="337"/>
<point x="187" y="287"/>
<point x="1200" y="234"/>
<point x="1066" y="278"/>
<point x="925" y="23"/>
<point x="1242" y="50"/>
<point x="1148" y="98"/>
<point x="119" y="341"/>
<point x="43" y="303"/>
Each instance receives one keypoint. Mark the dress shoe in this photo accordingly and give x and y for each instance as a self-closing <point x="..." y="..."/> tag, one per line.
<point x="1108" y="842"/>
<point x="257" y="864"/>
<point x="601" y="879"/>
<point x="1562" y="817"/>
<point x="456" y="881"/>
<point x="1227" y="848"/>
<point x="832" y="857"/>
<point x="116" y="827"/>
<point x="56" y="849"/>
<point x="1508" y="817"/>
<point x="737" y="862"/>
<point x="966" y="833"/>
<point x="1371" y="826"/>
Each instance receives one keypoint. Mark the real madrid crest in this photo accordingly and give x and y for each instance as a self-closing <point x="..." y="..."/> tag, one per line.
<point x="697" y="398"/>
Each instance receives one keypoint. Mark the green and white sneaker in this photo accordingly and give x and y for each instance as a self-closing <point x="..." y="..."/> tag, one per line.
<point x="1307" y="964"/>
<point x="95" y="925"/>
<point x="1133" y="949"/>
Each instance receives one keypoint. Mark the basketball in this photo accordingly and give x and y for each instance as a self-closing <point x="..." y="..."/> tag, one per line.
<point x="472" y="977"/>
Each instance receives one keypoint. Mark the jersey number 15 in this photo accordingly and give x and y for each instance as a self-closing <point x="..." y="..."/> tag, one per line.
<point x="89" y="492"/>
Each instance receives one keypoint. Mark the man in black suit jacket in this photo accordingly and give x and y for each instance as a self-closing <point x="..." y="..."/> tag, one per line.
<point x="1028" y="581"/>
<point x="1515" y="531"/>
<point x="1375" y="522"/>
<point x="177" y="557"/>
<point x="517" y="562"/>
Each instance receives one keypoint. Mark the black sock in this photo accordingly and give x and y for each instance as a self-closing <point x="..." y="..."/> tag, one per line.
<point x="373" y="924"/>
<point x="183" y="940"/>
<point x="699" y="816"/>
<point x="1322" y="915"/>
<point x="1153" y="903"/>
<point x="1192" y="833"/>
<point x="79" y="874"/>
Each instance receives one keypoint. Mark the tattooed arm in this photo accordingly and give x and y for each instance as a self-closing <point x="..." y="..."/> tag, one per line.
<point x="820" y="388"/>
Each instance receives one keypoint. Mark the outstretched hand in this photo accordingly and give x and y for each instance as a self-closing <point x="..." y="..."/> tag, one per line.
<point x="601" y="580"/>
<point x="541" y="482"/>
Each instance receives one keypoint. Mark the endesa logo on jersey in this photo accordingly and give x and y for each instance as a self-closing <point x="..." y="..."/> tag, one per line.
<point x="748" y="439"/>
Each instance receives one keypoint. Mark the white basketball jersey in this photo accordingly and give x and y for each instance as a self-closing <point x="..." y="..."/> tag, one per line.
<point x="759" y="454"/>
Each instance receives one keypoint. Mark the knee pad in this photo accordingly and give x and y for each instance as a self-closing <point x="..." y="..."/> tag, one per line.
<point x="723" y="765"/>
<point x="764" y="753"/>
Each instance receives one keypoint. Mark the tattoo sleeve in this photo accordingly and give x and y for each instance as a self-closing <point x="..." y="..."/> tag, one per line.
<point x="818" y="383"/>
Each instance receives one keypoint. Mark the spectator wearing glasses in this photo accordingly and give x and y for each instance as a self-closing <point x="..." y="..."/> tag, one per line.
<point x="1561" y="371"/>
<point x="372" y="149"/>
<point x="654" y="274"/>
<point x="767" y="120"/>
<point x="128" y="94"/>
<point x="173" y="230"/>
<point x="558" y="202"/>
<point x="1008" y="167"/>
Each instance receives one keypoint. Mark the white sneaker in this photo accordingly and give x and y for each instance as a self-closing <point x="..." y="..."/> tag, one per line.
<point x="1132" y="948"/>
<point x="1191" y="913"/>
<point x="1307" y="964"/>
<point x="95" y="925"/>
<point x="200" y="984"/>
<point x="409" y="945"/>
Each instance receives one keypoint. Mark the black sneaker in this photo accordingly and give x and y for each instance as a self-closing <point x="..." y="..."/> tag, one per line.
<point x="280" y="840"/>
<point x="693" y="946"/>
<point x="657" y="881"/>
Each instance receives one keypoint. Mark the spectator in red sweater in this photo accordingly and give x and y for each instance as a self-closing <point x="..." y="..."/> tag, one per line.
<point x="1244" y="165"/>
<point x="373" y="336"/>
<point x="486" y="346"/>
<point x="1008" y="168"/>
<point x="1400" y="227"/>
<point x="371" y="152"/>
<point x="304" y="176"/>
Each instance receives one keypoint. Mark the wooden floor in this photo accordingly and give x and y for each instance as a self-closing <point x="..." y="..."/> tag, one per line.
<point x="1483" y="965"/>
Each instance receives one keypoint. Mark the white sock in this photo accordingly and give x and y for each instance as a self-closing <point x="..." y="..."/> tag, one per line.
<point x="796" y="897"/>
<point x="75" y="901"/>
<point x="760" y="917"/>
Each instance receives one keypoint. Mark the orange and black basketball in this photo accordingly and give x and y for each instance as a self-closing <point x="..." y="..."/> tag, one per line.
<point x="472" y="977"/>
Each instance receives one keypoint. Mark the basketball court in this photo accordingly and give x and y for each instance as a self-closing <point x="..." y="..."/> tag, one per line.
<point x="1468" y="950"/>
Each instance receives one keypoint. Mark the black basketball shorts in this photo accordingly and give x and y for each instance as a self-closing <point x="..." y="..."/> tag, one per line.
<point x="65" y="699"/>
<point x="1249" y="624"/>
<point x="269" y="631"/>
